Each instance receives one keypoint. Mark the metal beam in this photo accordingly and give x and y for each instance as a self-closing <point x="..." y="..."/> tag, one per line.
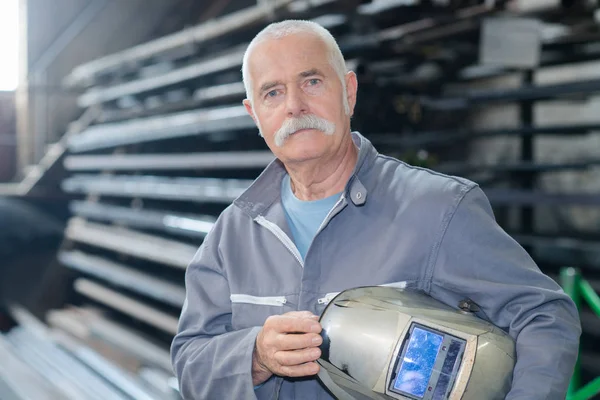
<point x="14" y="372"/>
<point x="127" y="305"/>
<point x="517" y="197"/>
<point x="463" y="168"/>
<point x="127" y="383"/>
<point x="199" y="190"/>
<point x="229" y="60"/>
<point x="196" y="226"/>
<point x="565" y="243"/>
<point x="175" y="125"/>
<point x="524" y="93"/>
<point x="123" y="276"/>
<point x="58" y="365"/>
<point x="441" y="138"/>
<point x="141" y="245"/>
<point x="86" y="325"/>
<point x="153" y="162"/>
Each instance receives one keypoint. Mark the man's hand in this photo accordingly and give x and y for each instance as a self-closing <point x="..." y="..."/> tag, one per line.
<point x="287" y="345"/>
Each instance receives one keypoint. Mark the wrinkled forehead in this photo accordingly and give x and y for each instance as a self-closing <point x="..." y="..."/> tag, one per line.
<point x="285" y="58"/>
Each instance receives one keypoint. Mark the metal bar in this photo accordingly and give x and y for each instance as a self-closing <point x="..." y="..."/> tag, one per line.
<point x="14" y="372"/>
<point x="110" y="372"/>
<point x="85" y="324"/>
<point x="198" y="190"/>
<point x="440" y="138"/>
<point x="200" y="33"/>
<point x="124" y="276"/>
<point x="526" y="93"/>
<point x="220" y="92"/>
<point x="136" y="162"/>
<point x="226" y="92"/>
<point x="566" y="243"/>
<point x="127" y="305"/>
<point x="461" y="168"/>
<point x="148" y="247"/>
<point x="62" y="368"/>
<point x="196" y="226"/>
<point x="34" y="341"/>
<point x="175" y="125"/>
<point x="517" y="197"/>
<point x="229" y="60"/>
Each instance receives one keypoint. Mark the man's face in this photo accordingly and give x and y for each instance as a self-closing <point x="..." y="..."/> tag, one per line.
<point x="295" y="87"/>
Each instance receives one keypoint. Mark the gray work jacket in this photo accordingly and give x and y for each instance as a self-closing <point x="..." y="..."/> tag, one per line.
<point x="394" y="224"/>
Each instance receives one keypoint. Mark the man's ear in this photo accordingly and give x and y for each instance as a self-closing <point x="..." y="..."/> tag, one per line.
<point x="351" y="90"/>
<point x="249" y="109"/>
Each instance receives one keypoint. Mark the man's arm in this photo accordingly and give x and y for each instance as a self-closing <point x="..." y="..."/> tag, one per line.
<point x="209" y="358"/>
<point x="476" y="259"/>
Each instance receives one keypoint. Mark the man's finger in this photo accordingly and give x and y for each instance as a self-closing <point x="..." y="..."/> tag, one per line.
<point x="295" y="341"/>
<point x="307" y="369"/>
<point x="285" y="324"/>
<point x="297" y="357"/>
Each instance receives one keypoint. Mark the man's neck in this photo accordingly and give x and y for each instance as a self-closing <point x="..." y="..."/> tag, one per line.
<point x="323" y="178"/>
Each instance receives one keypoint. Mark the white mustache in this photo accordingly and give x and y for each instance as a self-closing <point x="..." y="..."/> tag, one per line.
<point x="307" y="121"/>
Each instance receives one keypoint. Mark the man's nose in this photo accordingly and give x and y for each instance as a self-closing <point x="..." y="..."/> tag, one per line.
<point x="296" y="103"/>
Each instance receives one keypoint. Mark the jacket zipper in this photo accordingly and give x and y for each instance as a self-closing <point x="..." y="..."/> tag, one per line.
<point x="327" y="298"/>
<point x="264" y="301"/>
<point x="283" y="238"/>
<point x="329" y="214"/>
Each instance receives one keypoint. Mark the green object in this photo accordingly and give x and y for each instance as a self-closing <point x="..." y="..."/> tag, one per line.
<point x="588" y="391"/>
<point x="579" y="289"/>
<point x="590" y="296"/>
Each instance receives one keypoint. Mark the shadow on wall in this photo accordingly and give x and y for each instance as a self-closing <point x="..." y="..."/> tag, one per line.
<point x="29" y="274"/>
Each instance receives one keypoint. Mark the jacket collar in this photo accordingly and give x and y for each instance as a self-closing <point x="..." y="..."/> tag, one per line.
<point x="266" y="189"/>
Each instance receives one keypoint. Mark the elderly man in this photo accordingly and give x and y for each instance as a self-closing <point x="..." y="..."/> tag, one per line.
<point x="330" y="214"/>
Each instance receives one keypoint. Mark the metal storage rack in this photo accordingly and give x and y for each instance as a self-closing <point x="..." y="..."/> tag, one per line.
<point x="164" y="145"/>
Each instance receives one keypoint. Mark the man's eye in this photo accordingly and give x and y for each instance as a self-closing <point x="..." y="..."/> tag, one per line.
<point x="272" y="93"/>
<point x="314" y="81"/>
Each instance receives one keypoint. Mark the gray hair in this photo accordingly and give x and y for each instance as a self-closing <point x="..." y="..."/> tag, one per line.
<point x="282" y="29"/>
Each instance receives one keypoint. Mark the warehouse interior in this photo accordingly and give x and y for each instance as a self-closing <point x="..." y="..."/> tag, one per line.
<point x="124" y="137"/>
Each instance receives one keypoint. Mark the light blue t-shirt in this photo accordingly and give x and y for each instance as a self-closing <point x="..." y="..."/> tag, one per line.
<point x="304" y="217"/>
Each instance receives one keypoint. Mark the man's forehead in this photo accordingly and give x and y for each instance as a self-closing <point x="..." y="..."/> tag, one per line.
<point x="279" y="61"/>
<point x="304" y="53"/>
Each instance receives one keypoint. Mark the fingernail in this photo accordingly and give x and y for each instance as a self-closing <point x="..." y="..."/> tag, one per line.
<point x="315" y="328"/>
<point x="316" y="340"/>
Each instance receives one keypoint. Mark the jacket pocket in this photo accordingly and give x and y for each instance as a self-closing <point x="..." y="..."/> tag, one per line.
<point x="259" y="300"/>
<point x="249" y="311"/>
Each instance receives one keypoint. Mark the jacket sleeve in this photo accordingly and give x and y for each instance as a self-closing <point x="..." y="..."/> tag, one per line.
<point x="476" y="259"/>
<point x="210" y="359"/>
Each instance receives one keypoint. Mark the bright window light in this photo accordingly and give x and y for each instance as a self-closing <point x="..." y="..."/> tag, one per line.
<point x="9" y="44"/>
